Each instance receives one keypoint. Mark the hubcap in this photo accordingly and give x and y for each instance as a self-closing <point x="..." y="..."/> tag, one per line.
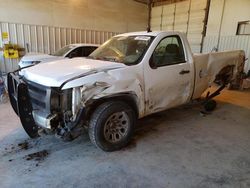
<point x="116" y="127"/>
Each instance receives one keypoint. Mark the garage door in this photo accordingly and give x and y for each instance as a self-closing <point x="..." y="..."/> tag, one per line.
<point x="186" y="16"/>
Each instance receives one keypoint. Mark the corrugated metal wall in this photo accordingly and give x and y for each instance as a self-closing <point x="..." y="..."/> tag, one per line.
<point x="229" y="43"/>
<point x="187" y="16"/>
<point x="46" y="39"/>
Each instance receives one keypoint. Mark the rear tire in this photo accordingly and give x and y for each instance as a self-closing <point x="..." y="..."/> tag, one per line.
<point x="112" y="125"/>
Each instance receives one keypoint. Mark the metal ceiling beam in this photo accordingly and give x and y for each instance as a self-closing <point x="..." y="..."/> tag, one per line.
<point x="158" y="2"/>
<point x="149" y="15"/>
<point x="142" y="1"/>
<point x="165" y="2"/>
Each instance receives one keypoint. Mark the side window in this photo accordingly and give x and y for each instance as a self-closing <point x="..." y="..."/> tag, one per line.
<point x="168" y="52"/>
<point x="75" y="53"/>
<point x="86" y="51"/>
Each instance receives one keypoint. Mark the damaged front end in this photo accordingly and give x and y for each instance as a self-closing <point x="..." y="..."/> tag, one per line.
<point x="74" y="118"/>
<point x="60" y="111"/>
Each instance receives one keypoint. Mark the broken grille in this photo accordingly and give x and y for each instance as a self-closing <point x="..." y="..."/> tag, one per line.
<point x="39" y="96"/>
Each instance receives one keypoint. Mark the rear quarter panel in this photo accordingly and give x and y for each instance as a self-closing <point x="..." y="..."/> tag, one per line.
<point x="207" y="66"/>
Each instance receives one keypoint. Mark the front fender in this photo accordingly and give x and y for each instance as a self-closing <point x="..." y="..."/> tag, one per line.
<point x="128" y="90"/>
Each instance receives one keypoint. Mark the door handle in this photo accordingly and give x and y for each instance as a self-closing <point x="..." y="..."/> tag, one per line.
<point x="184" y="72"/>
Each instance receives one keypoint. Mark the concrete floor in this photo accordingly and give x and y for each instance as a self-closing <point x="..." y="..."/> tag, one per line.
<point x="175" y="148"/>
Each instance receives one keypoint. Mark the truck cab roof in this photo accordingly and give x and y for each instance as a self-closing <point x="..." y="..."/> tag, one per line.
<point x="152" y="33"/>
<point x="84" y="44"/>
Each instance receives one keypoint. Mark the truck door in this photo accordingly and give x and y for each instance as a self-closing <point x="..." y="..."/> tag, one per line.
<point x="169" y="76"/>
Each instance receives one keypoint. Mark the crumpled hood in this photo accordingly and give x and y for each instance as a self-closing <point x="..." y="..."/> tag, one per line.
<point x="55" y="73"/>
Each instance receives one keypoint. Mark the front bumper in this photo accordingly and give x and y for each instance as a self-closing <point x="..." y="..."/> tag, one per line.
<point x="31" y="102"/>
<point x="40" y="106"/>
<point x="20" y="102"/>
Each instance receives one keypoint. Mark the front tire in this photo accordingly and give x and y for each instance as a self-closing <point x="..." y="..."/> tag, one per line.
<point x="112" y="125"/>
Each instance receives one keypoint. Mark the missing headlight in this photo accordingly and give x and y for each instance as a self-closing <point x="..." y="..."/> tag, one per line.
<point x="61" y="101"/>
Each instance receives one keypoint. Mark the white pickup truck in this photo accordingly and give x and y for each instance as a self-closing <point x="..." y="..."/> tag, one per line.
<point x="130" y="76"/>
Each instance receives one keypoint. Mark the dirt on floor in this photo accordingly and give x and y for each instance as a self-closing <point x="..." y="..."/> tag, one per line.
<point x="180" y="147"/>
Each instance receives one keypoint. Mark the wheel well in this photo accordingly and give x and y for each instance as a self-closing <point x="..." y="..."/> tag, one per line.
<point x="225" y="75"/>
<point x="127" y="98"/>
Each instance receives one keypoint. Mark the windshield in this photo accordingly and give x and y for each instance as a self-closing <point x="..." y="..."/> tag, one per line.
<point x="123" y="49"/>
<point x="63" y="51"/>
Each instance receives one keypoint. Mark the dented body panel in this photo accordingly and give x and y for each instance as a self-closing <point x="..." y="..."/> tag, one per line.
<point x="81" y="81"/>
<point x="207" y="66"/>
<point x="165" y="87"/>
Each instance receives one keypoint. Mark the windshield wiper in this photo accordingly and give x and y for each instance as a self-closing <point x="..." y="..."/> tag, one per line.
<point x="104" y="58"/>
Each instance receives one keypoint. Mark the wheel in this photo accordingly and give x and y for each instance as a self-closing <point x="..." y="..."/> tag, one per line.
<point x="210" y="105"/>
<point x="111" y="125"/>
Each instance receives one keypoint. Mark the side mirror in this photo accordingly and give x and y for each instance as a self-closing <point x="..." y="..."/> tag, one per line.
<point x="152" y="64"/>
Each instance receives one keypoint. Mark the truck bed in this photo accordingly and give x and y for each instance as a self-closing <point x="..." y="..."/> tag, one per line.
<point x="209" y="65"/>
